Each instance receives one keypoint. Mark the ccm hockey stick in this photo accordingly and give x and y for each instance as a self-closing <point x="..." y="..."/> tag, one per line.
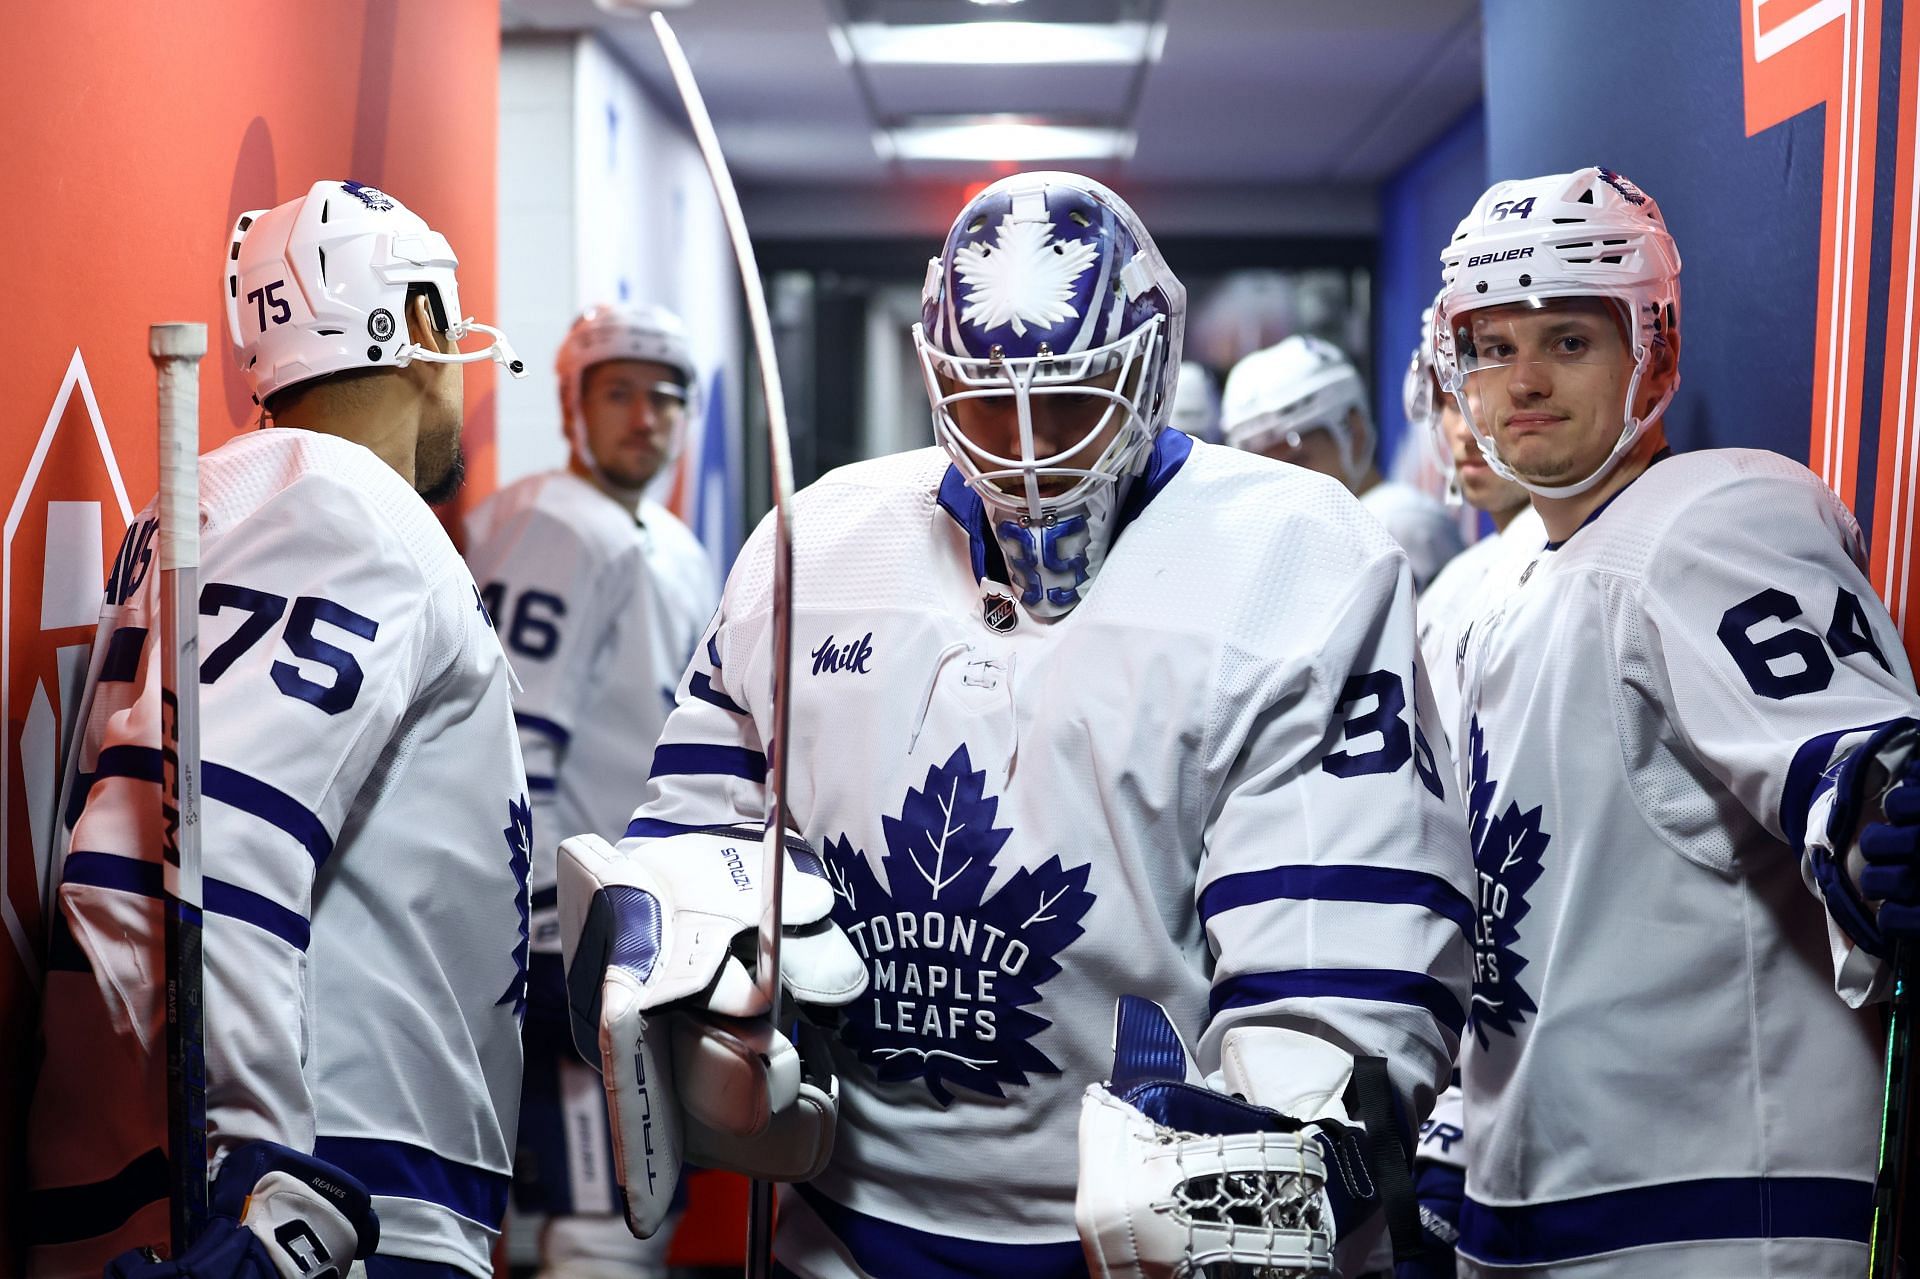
<point x="773" y="858"/>
<point x="1893" y="1187"/>
<point x="176" y="350"/>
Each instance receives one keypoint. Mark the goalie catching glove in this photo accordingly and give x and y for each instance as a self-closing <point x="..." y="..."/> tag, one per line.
<point x="1263" y="1170"/>
<point x="659" y="937"/>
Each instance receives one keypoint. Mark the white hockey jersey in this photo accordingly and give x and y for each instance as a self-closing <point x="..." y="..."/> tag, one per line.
<point x="365" y="841"/>
<point x="1660" y="1077"/>
<point x="1206" y="785"/>
<point x="684" y="581"/>
<point x="1422" y="526"/>
<point x="1472" y="580"/>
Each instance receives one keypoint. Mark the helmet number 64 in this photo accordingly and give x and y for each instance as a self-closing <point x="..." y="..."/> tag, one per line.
<point x="269" y="295"/>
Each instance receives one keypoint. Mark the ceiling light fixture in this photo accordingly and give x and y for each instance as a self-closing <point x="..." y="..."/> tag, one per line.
<point x="1001" y="43"/>
<point x="1001" y="138"/>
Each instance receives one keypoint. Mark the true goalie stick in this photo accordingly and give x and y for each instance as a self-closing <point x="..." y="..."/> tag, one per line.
<point x="176" y="350"/>
<point x="773" y="858"/>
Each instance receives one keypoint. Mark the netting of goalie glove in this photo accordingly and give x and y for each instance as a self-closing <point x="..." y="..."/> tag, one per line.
<point x="1274" y="1211"/>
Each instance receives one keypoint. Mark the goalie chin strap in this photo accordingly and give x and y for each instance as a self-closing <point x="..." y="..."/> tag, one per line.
<point x="1369" y="1099"/>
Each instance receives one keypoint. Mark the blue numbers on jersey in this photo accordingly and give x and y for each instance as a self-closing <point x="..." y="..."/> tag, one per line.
<point x="264" y="610"/>
<point x="1051" y="549"/>
<point x="131" y="563"/>
<point x="1810" y="669"/>
<point x="534" y="629"/>
<point x="1383" y="718"/>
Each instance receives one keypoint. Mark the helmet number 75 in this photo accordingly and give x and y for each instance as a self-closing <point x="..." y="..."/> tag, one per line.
<point x="269" y="295"/>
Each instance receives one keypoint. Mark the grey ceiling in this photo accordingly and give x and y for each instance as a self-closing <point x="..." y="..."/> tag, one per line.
<point x="1311" y="100"/>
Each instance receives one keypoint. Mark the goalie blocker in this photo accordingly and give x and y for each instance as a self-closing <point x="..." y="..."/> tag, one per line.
<point x="655" y="935"/>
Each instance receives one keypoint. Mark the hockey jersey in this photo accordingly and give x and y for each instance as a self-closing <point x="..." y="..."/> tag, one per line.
<point x="1471" y="580"/>
<point x="684" y="582"/>
<point x="1210" y="784"/>
<point x="1419" y="524"/>
<point x="1659" y="1075"/>
<point x="364" y="830"/>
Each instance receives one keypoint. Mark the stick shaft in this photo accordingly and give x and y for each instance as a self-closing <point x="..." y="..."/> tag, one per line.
<point x="176" y="350"/>
<point x="773" y="859"/>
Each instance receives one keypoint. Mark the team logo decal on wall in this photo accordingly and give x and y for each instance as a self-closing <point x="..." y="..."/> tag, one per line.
<point x="954" y="971"/>
<point x="1024" y="278"/>
<point x="1506" y="857"/>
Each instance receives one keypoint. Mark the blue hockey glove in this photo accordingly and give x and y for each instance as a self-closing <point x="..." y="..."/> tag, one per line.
<point x="1890" y="848"/>
<point x="274" y="1214"/>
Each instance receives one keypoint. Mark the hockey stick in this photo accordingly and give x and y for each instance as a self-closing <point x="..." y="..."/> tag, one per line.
<point x="176" y="350"/>
<point x="1893" y="1184"/>
<point x="773" y="856"/>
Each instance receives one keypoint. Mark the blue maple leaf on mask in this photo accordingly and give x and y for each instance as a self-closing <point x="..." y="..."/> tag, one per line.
<point x="1507" y="847"/>
<point x="954" y="973"/>
<point x="519" y="836"/>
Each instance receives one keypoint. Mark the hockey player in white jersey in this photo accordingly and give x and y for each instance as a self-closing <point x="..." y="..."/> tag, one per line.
<point x="1302" y="401"/>
<point x="1196" y="403"/>
<point x="1082" y="709"/>
<point x="1690" y="700"/>
<point x="600" y="597"/>
<point x="365" y="822"/>
<point x="1489" y="566"/>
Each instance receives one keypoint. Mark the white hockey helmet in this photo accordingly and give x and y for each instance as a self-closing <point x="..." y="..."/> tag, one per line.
<point x="612" y="331"/>
<point x="1589" y="234"/>
<point x="1420" y="399"/>
<point x="1302" y="384"/>
<point x="318" y="285"/>
<point x="1196" y="403"/>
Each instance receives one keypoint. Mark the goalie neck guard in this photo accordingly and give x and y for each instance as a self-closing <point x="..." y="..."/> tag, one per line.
<point x="318" y="285"/>
<point x="1047" y="283"/>
<point x="1588" y="234"/>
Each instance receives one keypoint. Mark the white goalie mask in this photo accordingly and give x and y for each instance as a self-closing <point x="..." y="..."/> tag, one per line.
<point x="1049" y="286"/>
<point x="1589" y="234"/>
<point x="618" y="332"/>
<point x="319" y="285"/>
<point x="1300" y="385"/>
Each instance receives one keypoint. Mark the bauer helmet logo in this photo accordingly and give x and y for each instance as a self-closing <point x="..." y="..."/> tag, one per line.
<point x="373" y="197"/>
<point x="1506" y="255"/>
<point x="380" y="325"/>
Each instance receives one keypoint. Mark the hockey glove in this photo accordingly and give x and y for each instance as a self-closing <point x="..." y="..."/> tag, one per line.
<point x="659" y="937"/>
<point x="274" y="1214"/>
<point x="1873" y="891"/>
<point x="1176" y="1176"/>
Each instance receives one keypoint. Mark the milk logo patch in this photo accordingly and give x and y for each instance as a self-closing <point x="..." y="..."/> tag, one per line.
<point x="1023" y="278"/>
<point x="955" y="971"/>
<point x="1507" y="847"/>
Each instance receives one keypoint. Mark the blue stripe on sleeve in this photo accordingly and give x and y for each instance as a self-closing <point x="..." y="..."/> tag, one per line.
<point x="881" y="1247"/>
<point x="1674" y="1213"/>
<point x="131" y="875"/>
<point x="702" y="688"/>
<point x="1381" y="884"/>
<point x="402" y="1171"/>
<point x="654" y="828"/>
<point x="121" y="662"/>
<point x="543" y="726"/>
<point x="1808" y="776"/>
<point x="1383" y="985"/>
<point x="538" y="785"/>
<point x="699" y="759"/>
<point x="225" y="785"/>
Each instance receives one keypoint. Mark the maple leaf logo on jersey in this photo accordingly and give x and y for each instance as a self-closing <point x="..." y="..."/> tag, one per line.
<point x="1023" y="278"/>
<point x="953" y="971"/>
<point x="1506" y="857"/>
<point x="519" y="836"/>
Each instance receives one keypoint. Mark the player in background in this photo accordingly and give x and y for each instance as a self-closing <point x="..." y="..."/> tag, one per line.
<point x="1490" y="566"/>
<point x="1302" y="401"/>
<point x="364" y="808"/>
<point x="1689" y="702"/>
<point x="600" y="596"/>
<point x="1082" y="709"/>
<point x="1196" y="403"/>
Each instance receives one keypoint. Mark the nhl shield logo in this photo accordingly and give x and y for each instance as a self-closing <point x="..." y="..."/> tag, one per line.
<point x="998" y="612"/>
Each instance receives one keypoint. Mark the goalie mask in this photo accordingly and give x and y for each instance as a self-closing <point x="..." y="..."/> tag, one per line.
<point x="608" y="332"/>
<point x="1281" y="394"/>
<point x="1050" y="339"/>
<point x="1590" y="234"/>
<point x="319" y="285"/>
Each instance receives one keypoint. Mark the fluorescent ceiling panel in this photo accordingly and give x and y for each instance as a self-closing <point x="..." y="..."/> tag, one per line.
<point x="1001" y="43"/>
<point x="1019" y="141"/>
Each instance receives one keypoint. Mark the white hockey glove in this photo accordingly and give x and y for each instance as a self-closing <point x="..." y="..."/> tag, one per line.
<point x="273" y="1213"/>
<point x="1177" y="1177"/>
<point x="659" y="941"/>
